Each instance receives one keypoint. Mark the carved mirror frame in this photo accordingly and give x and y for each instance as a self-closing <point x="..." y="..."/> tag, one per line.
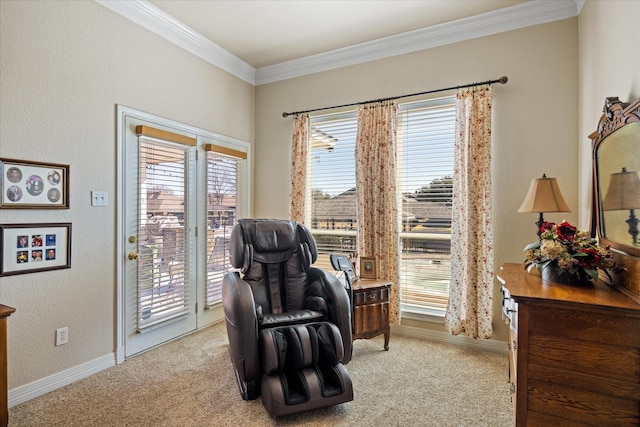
<point x="616" y="116"/>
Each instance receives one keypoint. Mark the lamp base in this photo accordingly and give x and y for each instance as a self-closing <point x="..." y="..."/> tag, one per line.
<point x="633" y="226"/>
<point x="539" y="225"/>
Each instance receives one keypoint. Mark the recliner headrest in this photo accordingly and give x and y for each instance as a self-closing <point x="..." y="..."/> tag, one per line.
<point x="270" y="236"/>
<point x="269" y="241"/>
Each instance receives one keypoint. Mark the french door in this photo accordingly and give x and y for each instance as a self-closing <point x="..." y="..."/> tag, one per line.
<point x="159" y="235"/>
<point x="180" y="191"/>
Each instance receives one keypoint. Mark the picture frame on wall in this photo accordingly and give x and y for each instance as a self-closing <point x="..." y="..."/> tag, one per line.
<point x="31" y="248"/>
<point x="33" y="185"/>
<point x="368" y="268"/>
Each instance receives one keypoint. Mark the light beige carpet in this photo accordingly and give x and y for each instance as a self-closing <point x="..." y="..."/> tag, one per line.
<point x="189" y="382"/>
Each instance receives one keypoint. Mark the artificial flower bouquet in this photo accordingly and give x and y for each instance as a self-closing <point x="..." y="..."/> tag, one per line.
<point x="568" y="251"/>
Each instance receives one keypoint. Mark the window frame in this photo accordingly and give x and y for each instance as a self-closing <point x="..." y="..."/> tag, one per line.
<point x="438" y="308"/>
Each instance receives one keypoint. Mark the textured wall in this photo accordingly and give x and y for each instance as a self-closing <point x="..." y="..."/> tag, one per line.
<point x="609" y="66"/>
<point x="64" y="67"/>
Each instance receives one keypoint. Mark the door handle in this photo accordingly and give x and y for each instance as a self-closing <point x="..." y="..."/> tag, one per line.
<point x="132" y="256"/>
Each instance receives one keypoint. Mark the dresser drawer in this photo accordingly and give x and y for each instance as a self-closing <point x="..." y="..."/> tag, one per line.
<point x="513" y="365"/>
<point x="371" y="296"/>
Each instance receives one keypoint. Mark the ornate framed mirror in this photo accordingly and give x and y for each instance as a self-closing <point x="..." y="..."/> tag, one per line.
<point x="616" y="189"/>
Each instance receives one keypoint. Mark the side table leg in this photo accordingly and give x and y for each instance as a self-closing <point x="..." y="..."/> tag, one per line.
<point x="387" y="333"/>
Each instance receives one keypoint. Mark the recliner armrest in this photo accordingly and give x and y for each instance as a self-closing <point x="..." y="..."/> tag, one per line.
<point x="238" y="302"/>
<point x="242" y="328"/>
<point x="329" y="287"/>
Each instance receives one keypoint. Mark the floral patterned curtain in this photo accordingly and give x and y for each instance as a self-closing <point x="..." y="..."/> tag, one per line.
<point x="298" y="174"/>
<point x="377" y="207"/>
<point x="471" y="291"/>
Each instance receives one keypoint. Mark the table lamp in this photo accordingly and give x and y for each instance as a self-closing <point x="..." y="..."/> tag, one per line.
<point x="623" y="194"/>
<point x="544" y="196"/>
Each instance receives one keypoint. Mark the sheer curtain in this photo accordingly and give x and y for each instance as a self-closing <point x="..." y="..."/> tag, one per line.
<point x="377" y="208"/>
<point x="298" y="172"/>
<point x="471" y="290"/>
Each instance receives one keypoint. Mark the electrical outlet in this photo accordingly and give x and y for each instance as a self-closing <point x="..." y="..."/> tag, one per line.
<point x="62" y="336"/>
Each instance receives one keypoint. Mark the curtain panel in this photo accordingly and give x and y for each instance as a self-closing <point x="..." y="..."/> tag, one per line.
<point x="471" y="290"/>
<point x="377" y="207"/>
<point x="298" y="171"/>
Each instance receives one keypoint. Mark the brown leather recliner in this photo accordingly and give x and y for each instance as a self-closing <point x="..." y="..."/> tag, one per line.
<point x="277" y="291"/>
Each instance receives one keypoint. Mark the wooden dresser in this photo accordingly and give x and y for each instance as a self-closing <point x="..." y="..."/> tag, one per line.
<point x="371" y="309"/>
<point x="574" y="352"/>
<point x="5" y="312"/>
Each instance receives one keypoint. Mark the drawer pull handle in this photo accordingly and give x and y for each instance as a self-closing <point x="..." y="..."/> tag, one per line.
<point x="511" y="311"/>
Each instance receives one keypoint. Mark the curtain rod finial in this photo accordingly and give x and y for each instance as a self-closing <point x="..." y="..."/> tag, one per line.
<point x="285" y="115"/>
<point x="503" y="80"/>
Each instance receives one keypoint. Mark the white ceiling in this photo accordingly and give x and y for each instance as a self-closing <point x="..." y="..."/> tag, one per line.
<point x="262" y="41"/>
<point x="269" y="32"/>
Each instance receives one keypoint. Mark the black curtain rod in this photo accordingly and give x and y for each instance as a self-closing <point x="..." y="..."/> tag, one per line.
<point x="501" y="80"/>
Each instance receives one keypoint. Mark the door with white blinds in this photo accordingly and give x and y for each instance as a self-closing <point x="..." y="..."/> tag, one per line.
<point x="225" y="169"/>
<point x="160" y="235"/>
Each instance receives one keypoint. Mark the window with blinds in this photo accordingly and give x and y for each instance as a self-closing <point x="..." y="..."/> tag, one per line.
<point x="223" y="168"/>
<point x="164" y="255"/>
<point x="425" y="170"/>
<point x="331" y="191"/>
<point x="426" y="138"/>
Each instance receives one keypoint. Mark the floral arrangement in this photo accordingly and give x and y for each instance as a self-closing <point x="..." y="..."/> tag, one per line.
<point x="569" y="251"/>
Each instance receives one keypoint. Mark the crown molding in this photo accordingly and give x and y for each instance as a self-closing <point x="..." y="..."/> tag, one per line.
<point x="522" y="15"/>
<point x="485" y="24"/>
<point x="155" y="20"/>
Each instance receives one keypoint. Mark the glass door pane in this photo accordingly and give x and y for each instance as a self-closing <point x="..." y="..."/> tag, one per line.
<point x="163" y="244"/>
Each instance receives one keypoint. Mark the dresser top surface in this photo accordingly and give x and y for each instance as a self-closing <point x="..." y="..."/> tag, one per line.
<point x="523" y="286"/>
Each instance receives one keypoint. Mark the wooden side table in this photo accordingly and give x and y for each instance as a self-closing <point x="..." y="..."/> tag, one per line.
<point x="5" y="312"/>
<point x="371" y="309"/>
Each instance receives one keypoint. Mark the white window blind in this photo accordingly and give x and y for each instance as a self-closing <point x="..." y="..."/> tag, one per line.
<point x="222" y="201"/>
<point x="331" y="193"/>
<point x="164" y="258"/>
<point x="425" y="167"/>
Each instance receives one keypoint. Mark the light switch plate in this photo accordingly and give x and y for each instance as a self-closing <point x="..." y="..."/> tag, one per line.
<point x="99" y="198"/>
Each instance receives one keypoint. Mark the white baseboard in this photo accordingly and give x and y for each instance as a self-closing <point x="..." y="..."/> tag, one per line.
<point x="42" y="386"/>
<point x="446" y="338"/>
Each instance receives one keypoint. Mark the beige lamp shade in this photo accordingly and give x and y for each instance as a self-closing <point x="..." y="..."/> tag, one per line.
<point x="624" y="191"/>
<point x="544" y="196"/>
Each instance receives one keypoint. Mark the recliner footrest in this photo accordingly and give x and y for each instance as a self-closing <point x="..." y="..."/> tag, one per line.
<point x="302" y="368"/>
